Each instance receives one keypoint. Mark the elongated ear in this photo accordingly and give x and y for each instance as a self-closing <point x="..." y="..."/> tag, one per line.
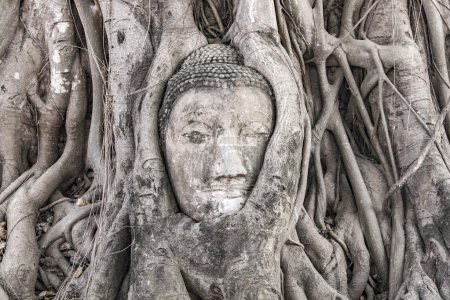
<point x="153" y="195"/>
<point x="257" y="39"/>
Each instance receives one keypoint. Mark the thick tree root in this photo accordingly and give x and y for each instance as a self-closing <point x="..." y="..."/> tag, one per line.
<point x="353" y="212"/>
<point x="63" y="229"/>
<point x="302" y="278"/>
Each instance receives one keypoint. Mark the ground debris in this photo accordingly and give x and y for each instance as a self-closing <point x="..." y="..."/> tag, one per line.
<point x="46" y="295"/>
<point x="3" y="237"/>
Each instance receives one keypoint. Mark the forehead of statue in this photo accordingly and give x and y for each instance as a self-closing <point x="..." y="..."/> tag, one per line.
<point x="218" y="105"/>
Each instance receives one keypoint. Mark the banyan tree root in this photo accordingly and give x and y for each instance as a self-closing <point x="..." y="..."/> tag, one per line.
<point x="64" y="227"/>
<point x="351" y="164"/>
<point x="174" y="46"/>
<point x="21" y="247"/>
<point x="346" y="218"/>
<point x="405" y="50"/>
<point x="325" y="256"/>
<point x="9" y="21"/>
<point x="92" y="21"/>
<point x="128" y="66"/>
<point x="66" y="100"/>
<point x="417" y="283"/>
<point x="348" y="228"/>
<point x="427" y="193"/>
<point x="301" y="279"/>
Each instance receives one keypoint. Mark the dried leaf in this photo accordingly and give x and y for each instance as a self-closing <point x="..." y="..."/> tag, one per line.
<point x="78" y="272"/>
<point x="65" y="246"/>
<point x="81" y="202"/>
<point x="3" y="232"/>
<point x="43" y="295"/>
<point x="45" y="227"/>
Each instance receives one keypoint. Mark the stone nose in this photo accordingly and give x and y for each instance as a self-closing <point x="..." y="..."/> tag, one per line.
<point x="228" y="160"/>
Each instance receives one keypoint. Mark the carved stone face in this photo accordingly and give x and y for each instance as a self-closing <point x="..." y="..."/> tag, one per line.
<point x="215" y="144"/>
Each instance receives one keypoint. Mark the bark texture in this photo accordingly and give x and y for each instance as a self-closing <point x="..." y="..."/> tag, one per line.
<point x="353" y="197"/>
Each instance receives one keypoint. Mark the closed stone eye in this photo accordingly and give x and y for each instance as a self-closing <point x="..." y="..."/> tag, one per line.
<point x="196" y="137"/>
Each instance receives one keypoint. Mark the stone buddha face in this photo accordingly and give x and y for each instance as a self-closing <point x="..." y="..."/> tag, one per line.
<point x="215" y="143"/>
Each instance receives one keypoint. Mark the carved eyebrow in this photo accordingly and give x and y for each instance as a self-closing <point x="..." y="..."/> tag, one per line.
<point x="195" y="112"/>
<point x="194" y="122"/>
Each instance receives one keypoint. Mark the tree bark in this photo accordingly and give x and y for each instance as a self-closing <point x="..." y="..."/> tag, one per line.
<point x="353" y="197"/>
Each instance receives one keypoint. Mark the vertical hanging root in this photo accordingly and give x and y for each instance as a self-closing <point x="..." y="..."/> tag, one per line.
<point x="348" y="227"/>
<point x="368" y="219"/>
<point x="321" y="204"/>
<point x="306" y="154"/>
<point x="92" y="21"/>
<point x="418" y="162"/>
<point x="398" y="236"/>
<point x="397" y="255"/>
<point x="148" y="171"/>
<point x="363" y="201"/>
<point x="438" y="32"/>
<point x="261" y="49"/>
<point x="417" y="284"/>
<point x="282" y="28"/>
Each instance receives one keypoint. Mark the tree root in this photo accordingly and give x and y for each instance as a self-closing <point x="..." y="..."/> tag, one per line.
<point x="363" y="201"/>
<point x="418" y="162"/>
<point x="174" y="46"/>
<point x="302" y="277"/>
<point x="417" y="285"/>
<point x="320" y="251"/>
<point x="64" y="227"/>
<point x="54" y="252"/>
<point x="91" y="18"/>
<point x="319" y="270"/>
<point x="349" y="229"/>
<point x="22" y="254"/>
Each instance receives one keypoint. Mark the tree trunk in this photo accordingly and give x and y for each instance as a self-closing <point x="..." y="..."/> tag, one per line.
<point x="352" y="196"/>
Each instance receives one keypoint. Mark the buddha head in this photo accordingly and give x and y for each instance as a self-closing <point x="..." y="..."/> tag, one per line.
<point x="215" y="123"/>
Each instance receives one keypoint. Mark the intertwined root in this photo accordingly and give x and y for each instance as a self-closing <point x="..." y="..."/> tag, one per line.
<point x="302" y="280"/>
<point x="417" y="285"/>
<point x="354" y="211"/>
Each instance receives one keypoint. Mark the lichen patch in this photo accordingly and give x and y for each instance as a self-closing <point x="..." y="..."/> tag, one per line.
<point x="56" y="56"/>
<point x="59" y="82"/>
<point x="63" y="26"/>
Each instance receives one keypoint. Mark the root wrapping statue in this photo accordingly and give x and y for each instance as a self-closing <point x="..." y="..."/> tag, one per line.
<point x="215" y="123"/>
